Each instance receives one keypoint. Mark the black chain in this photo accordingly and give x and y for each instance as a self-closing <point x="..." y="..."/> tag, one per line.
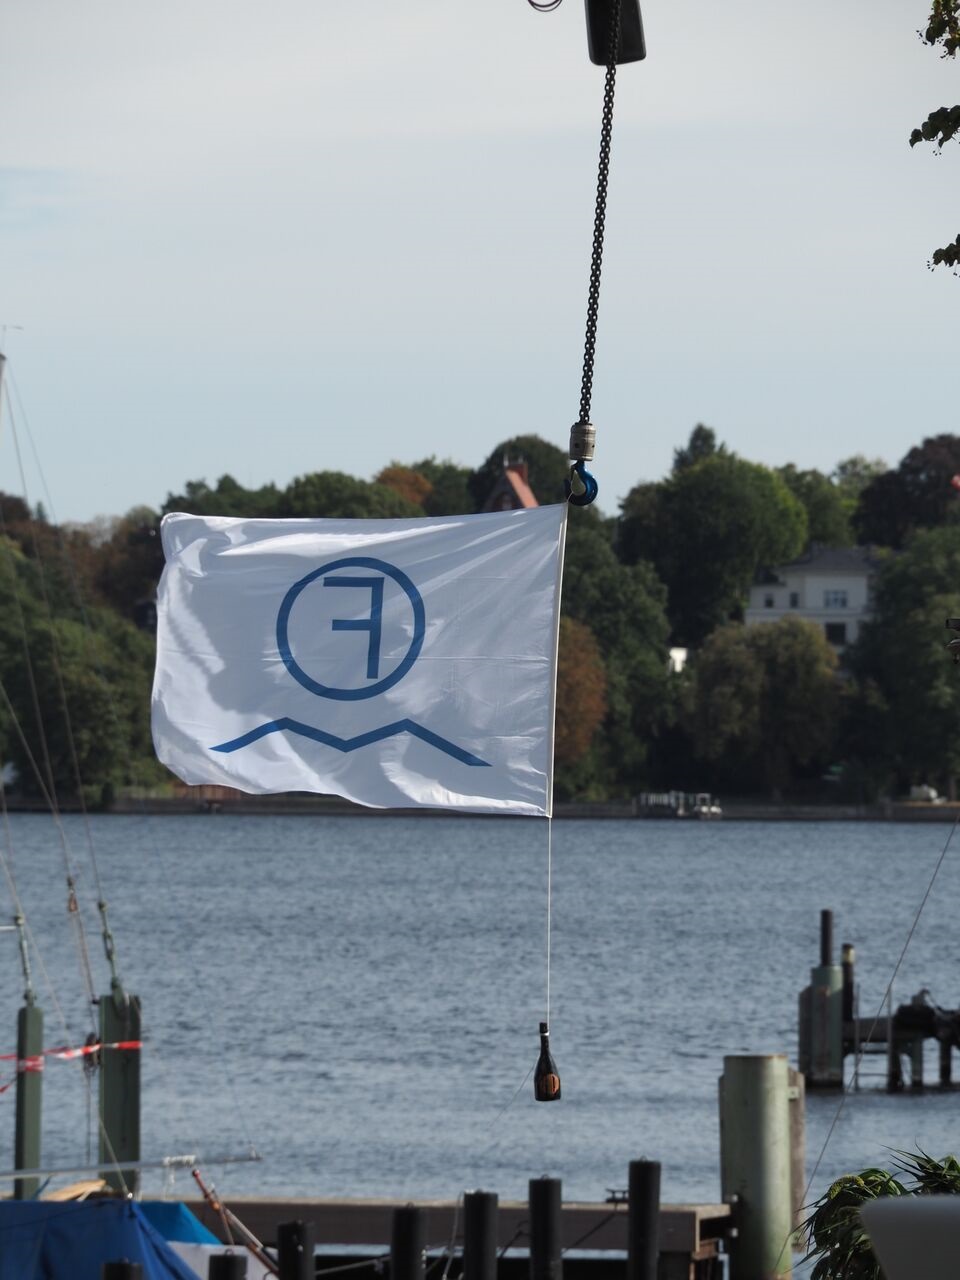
<point x="596" y="259"/>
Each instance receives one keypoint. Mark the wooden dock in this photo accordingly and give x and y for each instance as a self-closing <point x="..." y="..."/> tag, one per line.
<point x="691" y="1235"/>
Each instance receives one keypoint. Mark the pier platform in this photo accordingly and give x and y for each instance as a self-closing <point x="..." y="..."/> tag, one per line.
<point x="691" y="1235"/>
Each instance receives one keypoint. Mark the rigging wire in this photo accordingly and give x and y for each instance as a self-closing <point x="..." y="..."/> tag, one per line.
<point x="159" y="853"/>
<point x="6" y="864"/>
<point x="72" y="900"/>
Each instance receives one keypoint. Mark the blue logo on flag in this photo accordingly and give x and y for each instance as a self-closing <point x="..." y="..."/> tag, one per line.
<point x="369" y="625"/>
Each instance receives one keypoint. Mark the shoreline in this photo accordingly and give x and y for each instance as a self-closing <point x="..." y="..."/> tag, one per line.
<point x="200" y="802"/>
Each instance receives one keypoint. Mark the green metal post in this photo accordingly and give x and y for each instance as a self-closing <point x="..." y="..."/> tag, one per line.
<point x="755" y="1164"/>
<point x="119" y="1089"/>
<point x="29" y="1098"/>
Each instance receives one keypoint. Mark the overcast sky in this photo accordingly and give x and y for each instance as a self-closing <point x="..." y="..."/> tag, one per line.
<point x="268" y="239"/>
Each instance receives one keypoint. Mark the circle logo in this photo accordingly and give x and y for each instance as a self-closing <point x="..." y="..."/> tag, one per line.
<point x="371" y="625"/>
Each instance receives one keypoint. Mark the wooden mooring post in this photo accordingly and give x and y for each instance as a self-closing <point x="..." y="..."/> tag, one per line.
<point x="406" y="1244"/>
<point x="643" y="1226"/>
<point x="546" y="1258"/>
<point x="295" y="1251"/>
<point x="480" y="1235"/>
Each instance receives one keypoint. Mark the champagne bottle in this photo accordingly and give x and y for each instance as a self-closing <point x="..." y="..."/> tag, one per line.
<point x="546" y="1079"/>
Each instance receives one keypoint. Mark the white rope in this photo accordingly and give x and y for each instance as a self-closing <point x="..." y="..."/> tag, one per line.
<point x="549" y="905"/>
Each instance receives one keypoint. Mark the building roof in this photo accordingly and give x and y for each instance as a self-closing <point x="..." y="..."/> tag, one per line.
<point x="821" y="559"/>
<point x="512" y="491"/>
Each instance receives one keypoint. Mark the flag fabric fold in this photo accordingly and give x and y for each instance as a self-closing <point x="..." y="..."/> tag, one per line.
<point x="396" y="663"/>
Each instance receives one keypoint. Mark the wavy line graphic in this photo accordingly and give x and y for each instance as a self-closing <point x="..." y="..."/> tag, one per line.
<point x="353" y="744"/>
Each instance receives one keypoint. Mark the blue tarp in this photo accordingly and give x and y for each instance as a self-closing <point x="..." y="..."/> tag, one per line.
<point x="174" y="1221"/>
<point x="50" y="1240"/>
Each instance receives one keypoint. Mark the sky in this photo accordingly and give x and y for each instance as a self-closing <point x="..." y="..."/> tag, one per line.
<point x="266" y="240"/>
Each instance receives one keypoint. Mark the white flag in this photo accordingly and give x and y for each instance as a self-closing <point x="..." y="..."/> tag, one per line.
<point x="392" y="662"/>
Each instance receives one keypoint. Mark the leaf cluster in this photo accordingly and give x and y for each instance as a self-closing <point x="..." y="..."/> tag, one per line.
<point x="836" y="1240"/>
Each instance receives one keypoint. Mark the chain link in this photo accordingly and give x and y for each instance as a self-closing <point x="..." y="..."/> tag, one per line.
<point x="596" y="259"/>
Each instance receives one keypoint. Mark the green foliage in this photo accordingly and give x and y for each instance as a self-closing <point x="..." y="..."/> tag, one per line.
<point x="762" y="701"/>
<point x="89" y="684"/>
<point x="836" y="1240"/>
<point x="917" y="495"/>
<point x="228" y="499"/>
<point x="828" y="517"/>
<point x="547" y="468"/>
<point x="942" y="124"/>
<point x="901" y="652"/>
<point x="702" y="444"/>
<point x="338" y="496"/>
<point x="706" y="530"/>
<point x="624" y="606"/>
<point x="450" y="488"/>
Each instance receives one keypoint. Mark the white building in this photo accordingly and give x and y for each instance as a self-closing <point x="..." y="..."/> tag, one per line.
<point x="830" y="586"/>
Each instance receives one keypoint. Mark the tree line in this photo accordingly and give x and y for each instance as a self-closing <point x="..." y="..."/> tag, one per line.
<point x="766" y="708"/>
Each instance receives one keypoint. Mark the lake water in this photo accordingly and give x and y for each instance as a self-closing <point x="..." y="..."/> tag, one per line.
<point x="359" y="997"/>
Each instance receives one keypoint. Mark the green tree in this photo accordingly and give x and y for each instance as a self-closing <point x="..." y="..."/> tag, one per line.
<point x="129" y="560"/>
<point x="900" y="652"/>
<point x="707" y="530"/>
<point x="338" y="496"/>
<point x="763" y="702"/>
<point x="89" y="680"/>
<point x="449" y="487"/>
<point x="919" y="494"/>
<point x="702" y="444"/>
<point x="228" y="499"/>
<point x="828" y="519"/>
<point x="624" y="607"/>
<point x="547" y="468"/>
<point x="581" y="693"/>
<point x="942" y="124"/>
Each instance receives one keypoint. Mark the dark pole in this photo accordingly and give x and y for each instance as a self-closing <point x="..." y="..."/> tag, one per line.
<point x="121" y="1271"/>
<point x="546" y="1259"/>
<point x="643" y="1224"/>
<point x="826" y="937"/>
<point x="295" y="1250"/>
<point x="227" y="1266"/>
<point x="849" y="960"/>
<point x="480" y="1235"/>
<point x="406" y="1244"/>
<point x="946" y="1061"/>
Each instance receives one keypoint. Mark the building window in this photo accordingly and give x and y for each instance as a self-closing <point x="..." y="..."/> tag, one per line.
<point x="836" y="633"/>
<point x="794" y="599"/>
<point x="834" y="599"/>
<point x="768" y="600"/>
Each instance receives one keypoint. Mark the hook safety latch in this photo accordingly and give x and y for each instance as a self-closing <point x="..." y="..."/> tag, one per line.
<point x="580" y="486"/>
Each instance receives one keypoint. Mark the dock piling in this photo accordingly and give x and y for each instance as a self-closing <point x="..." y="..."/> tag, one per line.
<point x="916" y="1063"/>
<point x="755" y="1164"/>
<point x="946" y="1063"/>
<point x="643" y="1223"/>
<point x="29" y="1097"/>
<point x="295" y="1251"/>
<point x="826" y="936"/>
<point x="406" y="1244"/>
<point x="119" y="1089"/>
<point x="545" y="1200"/>
<point x="821" y="1013"/>
<point x="480" y="1209"/>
